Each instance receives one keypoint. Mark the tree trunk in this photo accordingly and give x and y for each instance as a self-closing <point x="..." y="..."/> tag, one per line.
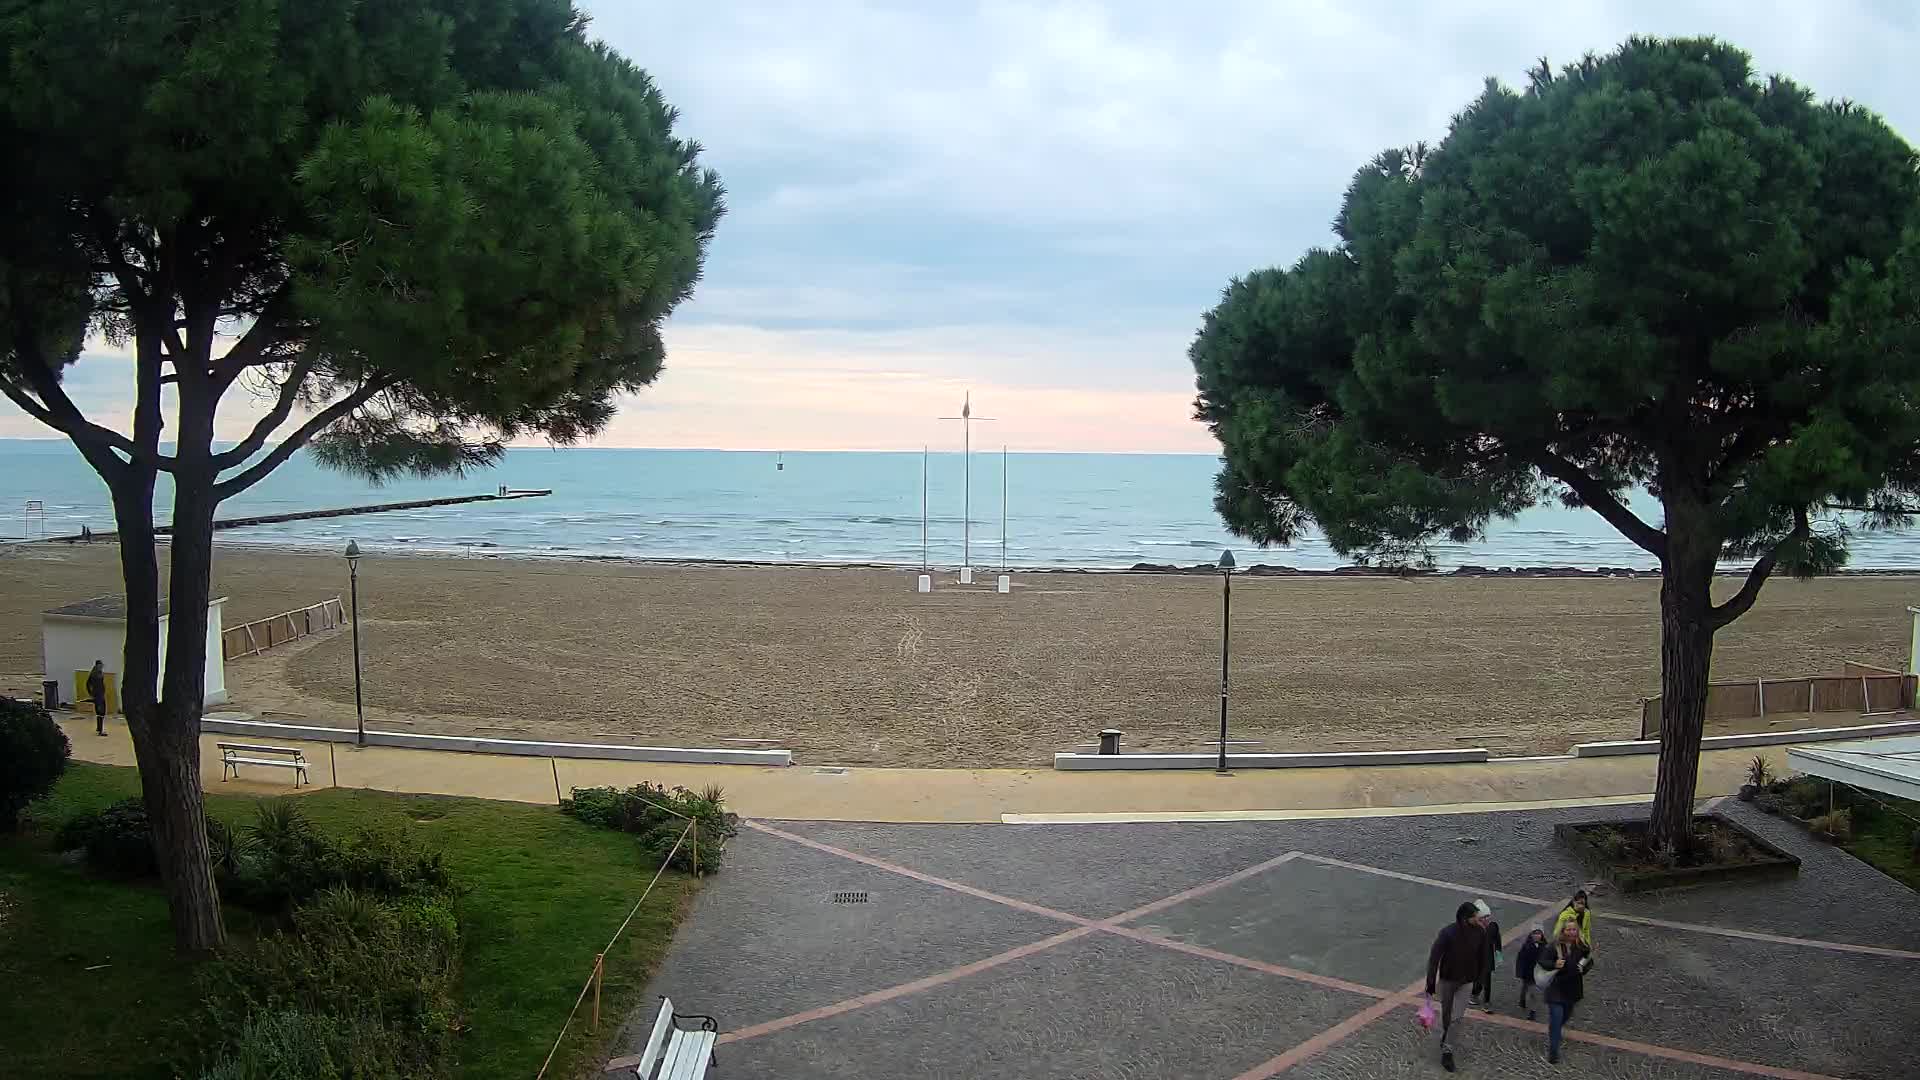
<point x="1686" y="661"/>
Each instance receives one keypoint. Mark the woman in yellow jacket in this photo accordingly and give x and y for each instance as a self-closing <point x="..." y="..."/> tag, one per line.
<point x="1578" y="913"/>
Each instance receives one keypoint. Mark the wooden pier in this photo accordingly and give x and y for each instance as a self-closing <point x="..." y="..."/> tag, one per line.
<point x="504" y="495"/>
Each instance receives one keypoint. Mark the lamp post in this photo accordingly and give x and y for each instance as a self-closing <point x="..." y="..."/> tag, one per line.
<point x="1226" y="643"/>
<point x="353" y="577"/>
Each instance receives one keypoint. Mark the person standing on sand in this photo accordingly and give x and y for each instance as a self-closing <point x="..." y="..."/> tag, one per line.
<point x="1568" y="960"/>
<point x="1457" y="961"/>
<point x="97" y="690"/>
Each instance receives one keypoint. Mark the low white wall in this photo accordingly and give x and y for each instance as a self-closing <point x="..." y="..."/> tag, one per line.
<point x="1268" y="761"/>
<point x="1761" y="738"/>
<point x="259" y="729"/>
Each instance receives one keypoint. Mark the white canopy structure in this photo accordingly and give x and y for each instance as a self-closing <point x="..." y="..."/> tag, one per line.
<point x="1889" y="766"/>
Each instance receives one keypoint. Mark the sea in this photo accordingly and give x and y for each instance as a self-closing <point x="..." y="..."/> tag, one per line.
<point x="1094" y="511"/>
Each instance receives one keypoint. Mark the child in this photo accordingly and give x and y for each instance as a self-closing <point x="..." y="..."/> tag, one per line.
<point x="1523" y="968"/>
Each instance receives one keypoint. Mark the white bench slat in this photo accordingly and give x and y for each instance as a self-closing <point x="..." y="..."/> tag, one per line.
<point x="687" y="1055"/>
<point x="656" y="1041"/>
<point x="267" y="761"/>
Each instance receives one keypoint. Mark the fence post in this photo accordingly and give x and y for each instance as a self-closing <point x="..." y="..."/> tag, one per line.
<point x="696" y="847"/>
<point x="599" y="962"/>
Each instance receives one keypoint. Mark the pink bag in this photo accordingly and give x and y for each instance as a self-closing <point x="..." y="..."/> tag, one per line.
<point x="1426" y="1015"/>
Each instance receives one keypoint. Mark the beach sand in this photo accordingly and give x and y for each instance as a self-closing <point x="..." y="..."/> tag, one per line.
<point x="853" y="667"/>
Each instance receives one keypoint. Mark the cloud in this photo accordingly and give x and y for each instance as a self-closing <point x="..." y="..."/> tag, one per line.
<point x="1038" y="200"/>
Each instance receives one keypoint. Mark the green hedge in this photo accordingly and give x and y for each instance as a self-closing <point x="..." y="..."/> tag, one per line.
<point x="657" y="815"/>
<point x="33" y="754"/>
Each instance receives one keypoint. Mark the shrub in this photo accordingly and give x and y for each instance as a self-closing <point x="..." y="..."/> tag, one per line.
<point x="117" y="839"/>
<point x="1837" y="826"/>
<point x="374" y="979"/>
<point x="275" y="1045"/>
<point x="1759" y="771"/>
<point x="657" y="816"/>
<point x="33" y="754"/>
<point x="284" y="861"/>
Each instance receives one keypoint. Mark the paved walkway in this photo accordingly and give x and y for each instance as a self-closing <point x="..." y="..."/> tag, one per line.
<point x="814" y="793"/>
<point x="1261" y="949"/>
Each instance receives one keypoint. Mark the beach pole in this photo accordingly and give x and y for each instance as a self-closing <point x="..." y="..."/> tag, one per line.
<point x="966" y="419"/>
<point x="924" y="566"/>
<point x="1003" y="508"/>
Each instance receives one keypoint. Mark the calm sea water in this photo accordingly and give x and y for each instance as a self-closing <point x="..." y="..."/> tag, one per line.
<point x="1063" y="510"/>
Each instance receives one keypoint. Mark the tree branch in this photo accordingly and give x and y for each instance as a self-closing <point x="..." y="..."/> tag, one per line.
<point x="1596" y="497"/>
<point x="1742" y="602"/>
<point x="319" y="422"/>
<point x="262" y="431"/>
<point x="56" y="410"/>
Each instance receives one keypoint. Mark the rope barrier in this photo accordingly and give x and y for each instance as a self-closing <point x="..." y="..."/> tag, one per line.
<point x="591" y="978"/>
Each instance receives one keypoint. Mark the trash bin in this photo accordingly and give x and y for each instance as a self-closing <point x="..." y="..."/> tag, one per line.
<point x="1110" y="741"/>
<point x="50" y="693"/>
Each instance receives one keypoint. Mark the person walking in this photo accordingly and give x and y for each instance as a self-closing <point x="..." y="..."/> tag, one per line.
<point x="1483" y="988"/>
<point x="1525" y="965"/>
<point x="1568" y="959"/>
<point x="1580" y="914"/>
<point x="97" y="690"/>
<point x="1458" y="959"/>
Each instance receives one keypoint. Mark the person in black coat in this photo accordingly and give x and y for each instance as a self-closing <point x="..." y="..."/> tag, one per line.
<point x="1457" y="961"/>
<point x="1568" y="959"/>
<point x="1483" y="987"/>
<point x="1524" y="966"/>
<point x="97" y="692"/>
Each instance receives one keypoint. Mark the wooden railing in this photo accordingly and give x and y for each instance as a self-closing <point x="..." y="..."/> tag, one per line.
<point x="249" y="639"/>
<point x="1864" y="688"/>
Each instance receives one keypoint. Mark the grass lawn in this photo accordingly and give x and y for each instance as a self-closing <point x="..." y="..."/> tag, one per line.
<point x="544" y="893"/>
<point x="1885" y="840"/>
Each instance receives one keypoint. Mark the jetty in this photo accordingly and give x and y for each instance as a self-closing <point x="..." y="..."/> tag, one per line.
<point x="503" y="495"/>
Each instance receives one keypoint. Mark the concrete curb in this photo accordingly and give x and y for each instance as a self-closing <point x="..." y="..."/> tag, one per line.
<point x="1762" y="738"/>
<point x="520" y="747"/>
<point x="1073" y="762"/>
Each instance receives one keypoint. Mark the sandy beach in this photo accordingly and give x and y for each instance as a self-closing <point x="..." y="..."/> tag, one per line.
<point x="852" y="667"/>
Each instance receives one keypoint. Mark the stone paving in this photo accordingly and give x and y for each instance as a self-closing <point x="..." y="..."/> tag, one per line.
<point x="1246" y="950"/>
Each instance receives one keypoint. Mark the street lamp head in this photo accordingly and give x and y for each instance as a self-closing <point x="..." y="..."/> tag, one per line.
<point x="353" y="552"/>
<point x="1226" y="561"/>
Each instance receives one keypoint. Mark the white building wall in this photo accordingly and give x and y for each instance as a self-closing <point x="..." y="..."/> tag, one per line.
<point x="71" y="644"/>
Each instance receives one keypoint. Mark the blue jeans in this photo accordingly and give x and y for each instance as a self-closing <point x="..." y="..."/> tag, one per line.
<point x="1558" y="1013"/>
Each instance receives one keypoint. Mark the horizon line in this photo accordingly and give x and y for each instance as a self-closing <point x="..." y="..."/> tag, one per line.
<point x="743" y="450"/>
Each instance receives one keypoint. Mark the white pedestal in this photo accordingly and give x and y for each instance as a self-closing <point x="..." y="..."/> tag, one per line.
<point x="1005" y="584"/>
<point x="925" y="583"/>
<point x="966" y="575"/>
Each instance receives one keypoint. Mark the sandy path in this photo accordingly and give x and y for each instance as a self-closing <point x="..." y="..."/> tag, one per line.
<point x="852" y="666"/>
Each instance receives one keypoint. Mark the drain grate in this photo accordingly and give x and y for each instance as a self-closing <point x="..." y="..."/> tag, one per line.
<point x="849" y="898"/>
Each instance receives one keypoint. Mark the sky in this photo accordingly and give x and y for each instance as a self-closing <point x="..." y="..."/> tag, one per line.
<point x="1035" y="202"/>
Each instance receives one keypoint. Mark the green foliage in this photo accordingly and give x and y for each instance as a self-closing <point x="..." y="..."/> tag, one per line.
<point x="1837" y="826"/>
<point x="373" y="979"/>
<point x="1650" y="269"/>
<point x="1759" y="771"/>
<point x="33" y="754"/>
<point x="277" y="1045"/>
<point x="658" y="816"/>
<point x="117" y="839"/>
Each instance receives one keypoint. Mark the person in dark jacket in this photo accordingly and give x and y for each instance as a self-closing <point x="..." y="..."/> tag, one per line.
<point x="1524" y="966"/>
<point x="1483" y="988"/>
<point x="97" y="691"/>
<point x="1457" y="961"/>
<point x="1567" y="959"/>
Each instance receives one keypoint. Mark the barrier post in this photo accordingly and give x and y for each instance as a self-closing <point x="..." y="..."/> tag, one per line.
<point x="695" y="826"/>
<point x="599" y="962"/>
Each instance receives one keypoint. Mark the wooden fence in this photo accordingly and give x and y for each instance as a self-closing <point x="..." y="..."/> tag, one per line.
<point x="249" y="639"/>
<point x="1861" y="688"/>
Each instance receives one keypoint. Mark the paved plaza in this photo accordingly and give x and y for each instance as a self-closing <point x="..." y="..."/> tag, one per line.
<point x="1268" y="949"/>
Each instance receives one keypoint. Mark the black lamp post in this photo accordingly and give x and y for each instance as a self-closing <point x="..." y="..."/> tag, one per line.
<point x="353" y="576"/>
<point x="1226" y="644"/>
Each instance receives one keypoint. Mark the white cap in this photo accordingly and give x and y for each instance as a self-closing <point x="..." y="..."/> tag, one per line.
<point x="1480" y="908"/>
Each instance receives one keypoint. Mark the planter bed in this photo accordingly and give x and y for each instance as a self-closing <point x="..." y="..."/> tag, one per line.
<point x="1616" y="852"/>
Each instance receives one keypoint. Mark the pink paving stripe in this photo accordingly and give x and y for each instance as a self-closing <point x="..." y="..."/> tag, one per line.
<point x="895" y="868"/>
<point x="1201" y="890"/>
<point x="1248" y="962"/>
<point x="1698" y="928"/>
<point x="1321" y="1042"/>
<point x="905" y="989"/>
<point x="1752" y="1068"/>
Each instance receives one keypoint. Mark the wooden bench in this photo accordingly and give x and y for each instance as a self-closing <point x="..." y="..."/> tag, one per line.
<point x="682" y="1053"/>
<point x="233" y="755"/>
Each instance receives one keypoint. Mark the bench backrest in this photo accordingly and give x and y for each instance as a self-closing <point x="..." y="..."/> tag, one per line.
<point x="656" y="1042"/>
<point x="252" y="748"/>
